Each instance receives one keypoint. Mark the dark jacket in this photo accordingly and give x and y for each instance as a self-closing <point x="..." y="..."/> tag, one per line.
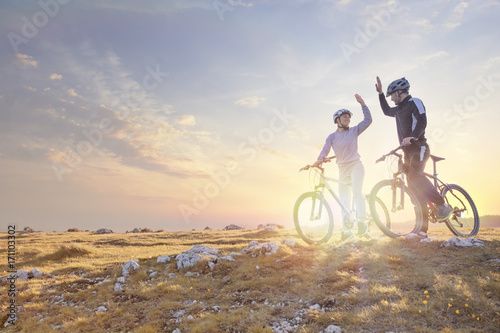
<point x="410" y="117"/>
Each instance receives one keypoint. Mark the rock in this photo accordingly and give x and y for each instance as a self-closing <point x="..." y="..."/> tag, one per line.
<point x="135" y="231"/>
<point x="102" y="309"/>
<point x="34" y="272"/>
<point x="121" y="279"/>
<point x="28" y="230"/>
<point x="179" y="314"/>
<point x="316" y="307"/>
<point x="128" y="266"/>
<point x="118" y="287"/>
<point x="271" y="227"/>
<point x="233" y="227"/>
<point x="207" y="228"/>
<point x="255" y="248"/>
<point x="469" y="242"/>
<point x="171" y="275"/>
<point x="153" y="274"/>
<point x="163" y="259"/>
<point x="289" y="242"/>
<point x="176" y="331"/>
<point x="333" y="329"/>
<point x="73" y="230"/>
<point x="104" y="231"/>
<point x="194" y="255"/>
<point x="269" y="248"/>
<point x="22" y="274"/>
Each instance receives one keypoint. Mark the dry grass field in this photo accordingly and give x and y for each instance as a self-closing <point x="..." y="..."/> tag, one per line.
<point x="381" y="285"/>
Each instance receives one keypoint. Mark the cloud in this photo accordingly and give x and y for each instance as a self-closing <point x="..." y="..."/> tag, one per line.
<point x="24" y="61"/>
<point x="251" y="102"/>
<point x="187" y="119"/>
<point x="55" y="76"/>
<point x="72" y="92"/>
<point x="456" y="16"/>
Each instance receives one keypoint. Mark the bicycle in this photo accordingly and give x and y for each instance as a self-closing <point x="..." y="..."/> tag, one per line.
<point x="313" y="217"/>
<point x="463" y="221"/>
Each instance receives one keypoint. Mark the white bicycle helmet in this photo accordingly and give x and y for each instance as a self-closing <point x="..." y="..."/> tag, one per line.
<point x="399" y="84"/>
<point x="339" y="113"/>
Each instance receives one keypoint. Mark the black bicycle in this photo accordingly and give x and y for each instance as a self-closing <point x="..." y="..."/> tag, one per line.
<point x="406" y="214"/>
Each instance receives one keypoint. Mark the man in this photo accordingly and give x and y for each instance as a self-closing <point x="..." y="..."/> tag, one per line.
<point x="411" y="121"/>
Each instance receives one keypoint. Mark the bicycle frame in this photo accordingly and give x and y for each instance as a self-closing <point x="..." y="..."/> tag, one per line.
<point x="323" y="183"/>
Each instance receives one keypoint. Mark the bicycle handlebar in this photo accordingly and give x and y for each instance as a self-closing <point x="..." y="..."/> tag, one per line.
<point x="392" y="152"/>
<point x="325" y="160"/>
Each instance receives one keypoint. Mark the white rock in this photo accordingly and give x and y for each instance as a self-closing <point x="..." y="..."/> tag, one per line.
<point x="102" y="309"/>
<point x="118" y="287"/>
<point x="469" y="242"/>
<point x="211" y="265"/>
<point x="171" y="275"/>
<point x="35" y="272"/>
<point x="194" y="255"/>
<point x="333" y="329"/>
<point x="289" y="242"/>
<point x="22" y="274"/>
<point x="271" y="227"/>
<point x="176" y="331"/>
<point x="179" y="314"/>
<point x="315" y="307"/>
<point x="227" y="258"/>
<point x="128" y="266"/>
<point x="152" y="274"/>
<point x="269" y="248"/>
<point x="121" y="279"/>
<point x="163" y="259"/>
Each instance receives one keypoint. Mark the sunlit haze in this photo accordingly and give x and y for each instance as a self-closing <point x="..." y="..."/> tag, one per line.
<point x="183" y="114"/>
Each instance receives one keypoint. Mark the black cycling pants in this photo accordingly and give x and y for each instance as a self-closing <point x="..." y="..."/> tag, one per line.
<point x="415" y="159"/>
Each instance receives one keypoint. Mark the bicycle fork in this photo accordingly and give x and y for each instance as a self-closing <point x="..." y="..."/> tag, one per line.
<point x="400" y="185"/>
<point x="317" y="202"/>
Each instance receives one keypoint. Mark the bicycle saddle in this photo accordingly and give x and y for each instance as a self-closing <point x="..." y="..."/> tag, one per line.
<point x="437" y="158"/>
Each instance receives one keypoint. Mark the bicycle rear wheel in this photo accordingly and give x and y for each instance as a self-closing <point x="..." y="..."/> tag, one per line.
<point x="464" y="221"/>
<point x="313" y="218"/>
<point x="399" y="214"/>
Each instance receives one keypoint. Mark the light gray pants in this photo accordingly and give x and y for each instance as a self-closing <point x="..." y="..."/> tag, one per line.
<point x="354" y="173"/>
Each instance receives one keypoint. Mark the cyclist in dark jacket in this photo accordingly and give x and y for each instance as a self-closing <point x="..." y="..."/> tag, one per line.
<point x="411" y="121"/>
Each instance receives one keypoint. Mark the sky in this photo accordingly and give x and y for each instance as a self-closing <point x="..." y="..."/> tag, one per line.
<point x="183" y="114"/>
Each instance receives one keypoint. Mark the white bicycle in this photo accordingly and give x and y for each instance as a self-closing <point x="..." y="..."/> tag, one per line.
<point x="313" y="216"/>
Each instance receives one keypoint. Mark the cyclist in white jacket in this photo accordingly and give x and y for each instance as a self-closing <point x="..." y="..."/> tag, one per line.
<point x="344" y="142"/>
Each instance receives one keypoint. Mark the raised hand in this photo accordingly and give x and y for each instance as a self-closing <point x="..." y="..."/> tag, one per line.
<point x="360" y="100"/>
<point x="378" y="86"/>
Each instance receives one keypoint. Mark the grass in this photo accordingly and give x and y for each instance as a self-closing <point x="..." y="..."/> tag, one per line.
<point x="368" y="286"/>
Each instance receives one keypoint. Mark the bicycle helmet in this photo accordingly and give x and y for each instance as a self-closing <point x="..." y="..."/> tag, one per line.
<point x="399" y="84"/>
<point x="339" y="113"/>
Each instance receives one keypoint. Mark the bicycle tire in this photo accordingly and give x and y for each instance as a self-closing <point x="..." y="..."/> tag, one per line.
<point x="313" y="231"/>
<point x="402" y="221"/>
<point x="386" y="221"/>
<point x="464" y="221"/>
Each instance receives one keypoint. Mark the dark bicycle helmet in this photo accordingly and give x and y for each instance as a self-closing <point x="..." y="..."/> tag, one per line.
<point x="399" y="84"/>
<point x="339" y="113"/>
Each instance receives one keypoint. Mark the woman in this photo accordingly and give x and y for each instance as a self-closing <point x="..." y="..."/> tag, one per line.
<point x="344" y="142"/>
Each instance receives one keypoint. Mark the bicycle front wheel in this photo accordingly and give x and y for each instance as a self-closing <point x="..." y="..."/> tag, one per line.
<point x="464" y="221"/>
<point x="313" y="218"/>
<point x="400" y="213"/>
